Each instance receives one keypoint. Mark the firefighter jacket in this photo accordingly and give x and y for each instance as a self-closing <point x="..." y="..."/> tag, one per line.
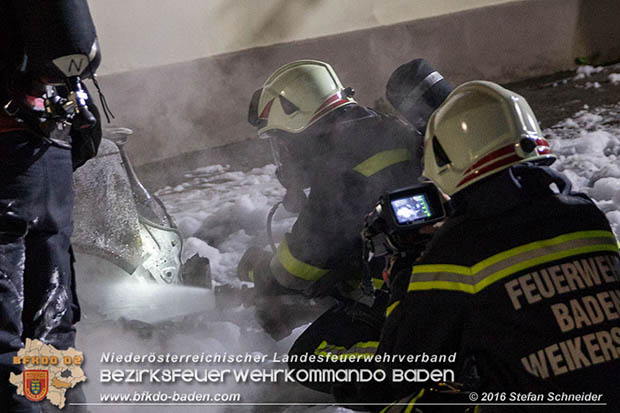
<point x="521" y="287"/>
<point x="370" y="153"/>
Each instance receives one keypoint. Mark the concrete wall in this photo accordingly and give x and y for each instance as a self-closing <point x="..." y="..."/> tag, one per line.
<point x="183" y="110"/>
<point x="145" y="33"/>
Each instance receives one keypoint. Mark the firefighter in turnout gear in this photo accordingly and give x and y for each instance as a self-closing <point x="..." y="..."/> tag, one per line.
<point x="521" y="283"/>
<point x="43" y="137"/>
<point x="345" y="155"/>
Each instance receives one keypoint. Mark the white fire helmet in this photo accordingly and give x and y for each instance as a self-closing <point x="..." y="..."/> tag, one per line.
<point x="479" y="130"/>
<point x="296" y="96"/>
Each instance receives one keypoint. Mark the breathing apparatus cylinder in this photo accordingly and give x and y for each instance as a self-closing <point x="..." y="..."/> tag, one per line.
<point x="60" y="47"/>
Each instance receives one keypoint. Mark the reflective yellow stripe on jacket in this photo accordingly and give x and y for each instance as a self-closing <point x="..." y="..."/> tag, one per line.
<point x="407" y="402"/>
<point x="292" y="272"/>
<point x="296" y="274"/>
<point x="391" y="308"/>
<point x="382" y="160"/>
<point x="474" y="279"/>
<point x="378" y="283"/>
<point x="361" y="349"/>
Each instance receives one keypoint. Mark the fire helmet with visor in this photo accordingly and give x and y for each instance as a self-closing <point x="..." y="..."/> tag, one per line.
<point x="479" y="130"/>
<point x="285" y="110"/>
<point x="296" y="96"/>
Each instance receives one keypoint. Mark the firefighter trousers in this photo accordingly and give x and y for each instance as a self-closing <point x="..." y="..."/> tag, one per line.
<point x="37" y="286"/>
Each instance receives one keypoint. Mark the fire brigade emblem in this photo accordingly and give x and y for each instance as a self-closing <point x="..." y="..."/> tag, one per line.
<point x="36" y="384"/>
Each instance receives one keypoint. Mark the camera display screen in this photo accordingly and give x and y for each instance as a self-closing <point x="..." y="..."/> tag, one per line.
<point x="411" y="209"/>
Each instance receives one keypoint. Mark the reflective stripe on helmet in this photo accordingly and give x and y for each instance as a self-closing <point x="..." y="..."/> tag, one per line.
<point x="333" y="102"/>
<point x="330" y="100"/>
<point x="306" y="91"/>
<point x="502" y="163"/>
<point x="506" y="150"/>
<point x="291" y="272"/>
<point x="542" y="148"/>
<point x="382" y="160"/>
<point x="265" y="113"/>
<point x="479" y="276"/>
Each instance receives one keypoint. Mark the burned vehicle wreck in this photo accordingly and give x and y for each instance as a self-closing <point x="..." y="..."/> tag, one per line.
<point x="123" y="235"/>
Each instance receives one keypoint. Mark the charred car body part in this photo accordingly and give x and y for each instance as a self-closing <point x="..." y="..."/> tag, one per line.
<point x="132" y="231"/>
<point x="161" y="241"/>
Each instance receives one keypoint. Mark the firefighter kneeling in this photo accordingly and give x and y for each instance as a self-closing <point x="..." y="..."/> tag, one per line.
<point x="521" y="281"/>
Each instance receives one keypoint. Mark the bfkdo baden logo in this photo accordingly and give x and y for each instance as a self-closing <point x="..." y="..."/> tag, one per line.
<point x="46" y="372"/>
<point x="36" y="384"/>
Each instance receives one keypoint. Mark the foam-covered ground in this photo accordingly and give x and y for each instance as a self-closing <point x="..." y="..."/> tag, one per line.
<point x="221" y="213"/>
<point x="588" y="149"/>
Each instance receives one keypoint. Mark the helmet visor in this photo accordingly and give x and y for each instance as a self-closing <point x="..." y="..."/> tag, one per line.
<point x="291" y="157"/>
<point x="278" y="145"/>
<point x="275" y="150"/>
